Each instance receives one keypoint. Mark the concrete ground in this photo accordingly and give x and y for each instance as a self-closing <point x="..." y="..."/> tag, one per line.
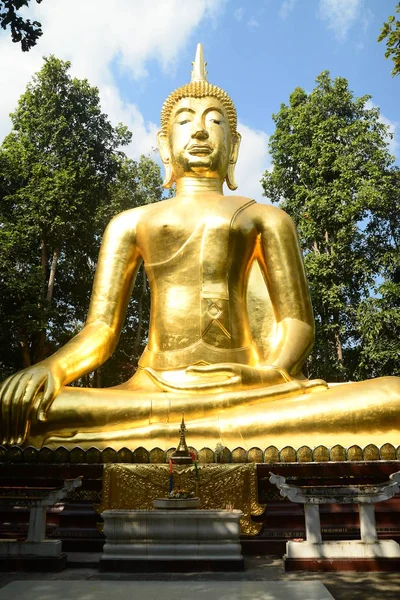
<point x="341" y="585"/>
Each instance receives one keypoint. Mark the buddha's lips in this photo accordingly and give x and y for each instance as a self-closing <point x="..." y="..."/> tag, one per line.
<point x="200" y="149"/>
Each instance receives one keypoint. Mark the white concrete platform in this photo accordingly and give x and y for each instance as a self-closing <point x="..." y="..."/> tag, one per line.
<point x="163" y="590"/>
<point x="154" y="535"/>
<point x="45" y="548"/>
<point x="343" y="549"/>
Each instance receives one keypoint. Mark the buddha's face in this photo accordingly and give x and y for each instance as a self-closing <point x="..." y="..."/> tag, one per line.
<point x="199" y="141"/>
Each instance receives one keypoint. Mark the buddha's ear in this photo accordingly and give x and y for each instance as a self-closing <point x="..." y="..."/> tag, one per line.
<point x="230" y="176"/>
<point x="165" y="154"/>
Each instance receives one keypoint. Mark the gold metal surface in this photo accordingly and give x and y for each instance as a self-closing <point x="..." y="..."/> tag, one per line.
<point x="231" y="320"/>
<point x="136" y="486"/>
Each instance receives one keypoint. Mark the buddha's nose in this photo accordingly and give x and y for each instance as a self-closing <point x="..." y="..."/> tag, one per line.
<point x="200" y="134"/>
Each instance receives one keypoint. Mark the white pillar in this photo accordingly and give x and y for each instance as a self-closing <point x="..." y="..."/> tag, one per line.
<point x="313" y="524"/>
<point x="37" y="524"/>
<point x="367" y="523"/>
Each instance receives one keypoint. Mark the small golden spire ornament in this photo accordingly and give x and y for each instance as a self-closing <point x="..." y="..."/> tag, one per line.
<point x="199" y="72"/>
<point x="181" y="456"/>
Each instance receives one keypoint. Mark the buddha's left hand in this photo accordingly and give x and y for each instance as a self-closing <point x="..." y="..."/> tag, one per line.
<point x="221" y="377"/>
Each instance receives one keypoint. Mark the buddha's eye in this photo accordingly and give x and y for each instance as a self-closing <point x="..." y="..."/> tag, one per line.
<point x="216" y="121"/>
<point x="183" y="122"/>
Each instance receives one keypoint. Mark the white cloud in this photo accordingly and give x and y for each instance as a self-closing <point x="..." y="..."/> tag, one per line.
<point x="17" y="69"/>
<point x="392" y="138"/>
<point x="366" y="19"/>
<point x="253" y="161"/>
<point x="95" y="34"/>
<point x="340" y="15"/>
<point x="286" y="8"/>
<point x="238" y="14"/>
<point x="253" y="23"/>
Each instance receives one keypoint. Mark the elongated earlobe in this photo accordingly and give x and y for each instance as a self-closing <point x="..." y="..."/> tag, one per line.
<point x="169" y="175"/>
<point x="230" y="175"/>
<point x="166" y="159"/>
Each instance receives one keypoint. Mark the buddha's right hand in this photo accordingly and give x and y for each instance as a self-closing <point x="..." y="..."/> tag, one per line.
<point x="22" y="395"/>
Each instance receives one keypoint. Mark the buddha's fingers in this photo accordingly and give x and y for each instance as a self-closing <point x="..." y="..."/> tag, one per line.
<point x="167" y="386"/>
<point x="7" y="394"/>
<point x="25" y="392"/>
<point x="3" y="412"/>
<point x="285" y="375"/>
<point x="33" y="389"/>
<point x="16" y="407"/>
<point x="49" y="393"/>
<point x="315" y="383"/>
<point x="249" y="376"/>
<point x="222" y="368"/>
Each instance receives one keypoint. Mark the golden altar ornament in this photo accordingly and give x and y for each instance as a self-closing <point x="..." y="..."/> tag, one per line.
<point x="181" y="455"/>
<point x="128" y="487"/>
<point x="231" y="319"/>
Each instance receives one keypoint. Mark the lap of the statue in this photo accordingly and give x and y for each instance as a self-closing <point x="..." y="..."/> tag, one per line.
<point x="289" y="413"/>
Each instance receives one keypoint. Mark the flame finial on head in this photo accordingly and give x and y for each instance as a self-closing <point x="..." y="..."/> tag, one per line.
<point x="199" y="72"/>
<point x="199" y="87"/>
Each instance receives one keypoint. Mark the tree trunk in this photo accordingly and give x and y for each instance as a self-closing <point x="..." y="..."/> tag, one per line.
<point x="40" y="350"/>
<point x="26" y="357"/>
<point x="339" y="350"/>
<point x="315" y="247"/>
<point x="52" y="276"/>
<point x="44" y="260"/>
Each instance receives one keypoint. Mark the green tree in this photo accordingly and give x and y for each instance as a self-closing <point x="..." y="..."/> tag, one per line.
<point x="330" y="154"/>
<point x="391" y="31"/>
<point x="62" y="177"/>
<point x="22" y="30"/>
<point x="379" y="316"/>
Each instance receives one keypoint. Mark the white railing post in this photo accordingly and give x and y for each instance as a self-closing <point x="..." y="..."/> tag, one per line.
<point x="367" y="522"/>
<point x="313" y="523"/>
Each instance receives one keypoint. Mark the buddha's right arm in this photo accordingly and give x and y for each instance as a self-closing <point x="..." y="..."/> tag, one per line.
<point x="118" y="263"/>
<point x="37" y="386"/>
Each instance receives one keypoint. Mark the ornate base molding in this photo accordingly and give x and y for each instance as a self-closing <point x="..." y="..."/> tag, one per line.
<point x="270" y="454"/>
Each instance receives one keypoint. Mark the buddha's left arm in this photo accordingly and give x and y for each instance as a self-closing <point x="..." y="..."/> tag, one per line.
<point x="280" y="258"/>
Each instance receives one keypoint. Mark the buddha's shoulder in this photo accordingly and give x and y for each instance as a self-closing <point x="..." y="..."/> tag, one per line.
<point x="133" y="216"/>
<point x="265" y="215"/>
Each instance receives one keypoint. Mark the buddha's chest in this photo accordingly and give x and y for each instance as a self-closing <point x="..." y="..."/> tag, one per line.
<point x="197" y="266"/>
<point x="212" y="241"/>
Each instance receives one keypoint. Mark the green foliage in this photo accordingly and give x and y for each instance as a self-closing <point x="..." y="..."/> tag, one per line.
<point x="330" y="165"/>
<point x="62" y="177"/>
<point x="22" y="30"/>
<point x="391" y="31"/>
<point x="379" y="322"/>
<point x="379" y="316"/>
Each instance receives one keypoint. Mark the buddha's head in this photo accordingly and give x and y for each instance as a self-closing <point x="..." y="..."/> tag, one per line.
<point x="198" y="136"/>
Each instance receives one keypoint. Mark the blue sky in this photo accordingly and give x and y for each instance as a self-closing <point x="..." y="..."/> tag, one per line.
<point x="137" y="52"/>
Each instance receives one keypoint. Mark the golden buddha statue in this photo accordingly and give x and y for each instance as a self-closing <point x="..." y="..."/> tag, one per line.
<point x="231" y="319"/>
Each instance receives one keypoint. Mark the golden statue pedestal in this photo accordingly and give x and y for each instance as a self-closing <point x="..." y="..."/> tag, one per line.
<point x="78" y="525"/>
